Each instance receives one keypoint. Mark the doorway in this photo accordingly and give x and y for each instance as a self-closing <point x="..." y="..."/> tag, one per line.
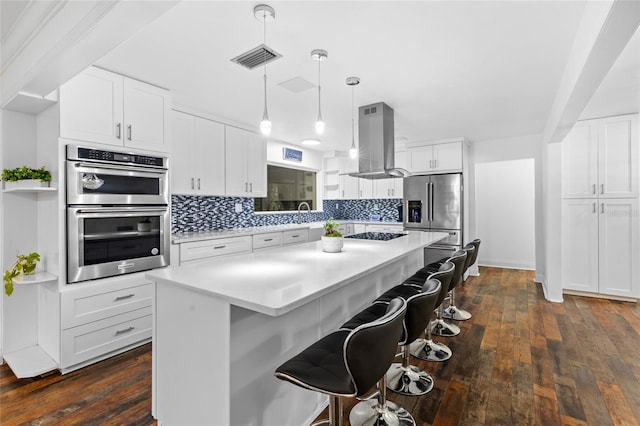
<point x="505" y="213"/>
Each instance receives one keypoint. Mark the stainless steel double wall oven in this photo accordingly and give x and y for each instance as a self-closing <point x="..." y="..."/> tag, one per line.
<point x="118" y="218"/>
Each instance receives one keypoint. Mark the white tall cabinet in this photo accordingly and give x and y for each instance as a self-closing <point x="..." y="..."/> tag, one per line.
<point x="198" y="160"/>
<point x="600" y="208"/>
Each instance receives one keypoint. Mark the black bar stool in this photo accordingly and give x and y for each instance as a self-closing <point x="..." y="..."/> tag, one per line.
<point x="426" y="348"/>
<point x="347" y="363"/>
<point x="404" y="378"/>
<point x="453" y="312"/>
<point x="440" y="327"/>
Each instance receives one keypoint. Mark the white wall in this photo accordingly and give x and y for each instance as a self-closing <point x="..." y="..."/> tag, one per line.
<point x="508" y="149"/>
<point x="505" y="213"/>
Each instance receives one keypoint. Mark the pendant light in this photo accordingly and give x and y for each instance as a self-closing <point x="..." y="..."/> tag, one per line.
<point x="353" y="82"/>
<point x="265" y="13"/>
<point x="319" y="55"/>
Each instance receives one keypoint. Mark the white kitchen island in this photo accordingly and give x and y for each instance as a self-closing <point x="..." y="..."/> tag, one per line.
<point x="221" y="328"/>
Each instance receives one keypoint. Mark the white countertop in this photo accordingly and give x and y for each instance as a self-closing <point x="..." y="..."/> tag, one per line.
<point x="276" y="281"/>
<point x="183" y="237"/>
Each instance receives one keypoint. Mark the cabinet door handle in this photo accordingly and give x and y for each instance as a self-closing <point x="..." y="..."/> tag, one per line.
<point x="343" y="193"/>
<point x="435" y="164"/>
<point x="268" y="239"/>
<point x="295" y="236"/>
<point x="431" y="164"/>
<point x="192" y="184"/>
<point x="602" y="188"/>
<point x="119" y="130"/>
<point x="218" y="247"/>
<point x="594" y="207"/>
<point x="246" y="187"/>
<point x="593" y="189"/>
<point x="130" y="132"/>
<point x="198" y="183"/>
<point x="126" y="330"/>
<point x="250" y="186"/>
<point x="601" y="207"/>
<point x="128" y="296"/>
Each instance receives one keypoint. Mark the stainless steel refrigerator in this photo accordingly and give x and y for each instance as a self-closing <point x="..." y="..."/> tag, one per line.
<point x="434" y="203"/>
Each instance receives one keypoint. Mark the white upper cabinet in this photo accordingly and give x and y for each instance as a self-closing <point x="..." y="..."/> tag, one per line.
<point x="600" y="158"/>
<point x="349" y="186"/>
<point x="198" y="160"/>
<point x="392" y="187"/>
<point x="580" y="161"/>
<point x="102" y="107"/>
<point x="246" y="163"/>
<point x="618" y="157"/>
<point x="435" y="158"/>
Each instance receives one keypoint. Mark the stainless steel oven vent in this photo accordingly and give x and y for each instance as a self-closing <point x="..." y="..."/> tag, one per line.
<point x="256" y="57"/>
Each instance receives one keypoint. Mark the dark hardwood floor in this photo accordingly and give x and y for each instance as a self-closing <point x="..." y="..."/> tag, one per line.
<point x="520" y="360"/>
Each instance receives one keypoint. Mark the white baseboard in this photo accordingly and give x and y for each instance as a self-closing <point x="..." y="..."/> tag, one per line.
<point x="508" y="265"/>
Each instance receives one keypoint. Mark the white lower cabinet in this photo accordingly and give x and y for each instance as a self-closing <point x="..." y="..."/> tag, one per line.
<point x="204" y="250"/>
<point x="269" y="240"/>
<point x="100" y="319"/>
<point x="601" y="246"/>
<point x="96" y="339"/>
<point x="295" y="237"/>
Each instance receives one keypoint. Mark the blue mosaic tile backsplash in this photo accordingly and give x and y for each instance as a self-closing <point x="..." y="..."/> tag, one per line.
<point x="194" y="213"/>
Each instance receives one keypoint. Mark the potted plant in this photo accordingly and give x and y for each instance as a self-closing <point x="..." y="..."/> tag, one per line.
<point x="26" y="177"/>
<point x="26" y="264"/>
<point x="332" y="240"/>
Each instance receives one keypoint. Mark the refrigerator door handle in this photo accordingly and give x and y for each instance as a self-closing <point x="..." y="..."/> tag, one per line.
<point x="431" y="200"/>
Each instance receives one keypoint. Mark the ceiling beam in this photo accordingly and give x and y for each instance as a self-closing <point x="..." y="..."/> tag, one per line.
<point x="50" y="42"/>
<point x="604" y="31"/>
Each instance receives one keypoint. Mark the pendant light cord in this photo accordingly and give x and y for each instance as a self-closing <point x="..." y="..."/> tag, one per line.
<point x="264" y="55"/>
<point x="319" y="103"/>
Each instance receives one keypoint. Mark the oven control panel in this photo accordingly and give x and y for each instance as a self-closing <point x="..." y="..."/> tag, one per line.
<point x="92" y="154"/>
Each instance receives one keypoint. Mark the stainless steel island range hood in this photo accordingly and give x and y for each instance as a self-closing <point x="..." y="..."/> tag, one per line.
<point x="376" y="136"/>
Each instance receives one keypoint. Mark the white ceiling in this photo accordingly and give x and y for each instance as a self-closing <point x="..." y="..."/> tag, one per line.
<point x="478" y="69"/>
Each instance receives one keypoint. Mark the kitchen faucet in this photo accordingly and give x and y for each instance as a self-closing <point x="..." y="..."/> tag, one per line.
<point x="304" y="203"/>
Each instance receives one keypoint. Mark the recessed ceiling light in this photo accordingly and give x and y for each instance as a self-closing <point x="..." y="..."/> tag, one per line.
<point x="310" y="142"/>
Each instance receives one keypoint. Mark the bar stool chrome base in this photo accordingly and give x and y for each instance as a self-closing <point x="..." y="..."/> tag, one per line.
<point x="430" y="350"/>
<point x="441" y="328"/>
<point x="456" y="314"/>
<point x="409" y="380"/>
<point x="368" y="413"/>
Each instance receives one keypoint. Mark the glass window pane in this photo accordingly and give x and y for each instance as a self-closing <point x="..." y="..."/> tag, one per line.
<point x="286" y="189"/>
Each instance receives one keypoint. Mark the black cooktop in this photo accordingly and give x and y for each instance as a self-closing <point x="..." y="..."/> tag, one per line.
<point x="380" y="236"/>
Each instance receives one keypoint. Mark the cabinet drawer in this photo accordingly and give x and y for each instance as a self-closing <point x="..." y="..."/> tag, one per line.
<point x="295" y="237"/>
<point x="384" y="228"/>
<point x="272" y="239"/>
<point x="90" y="303"/>
<point x="101" y="337"/>
<point x="210" y="248"/>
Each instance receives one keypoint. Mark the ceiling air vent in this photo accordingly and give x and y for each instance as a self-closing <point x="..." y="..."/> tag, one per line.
<point x="256" y="57"/>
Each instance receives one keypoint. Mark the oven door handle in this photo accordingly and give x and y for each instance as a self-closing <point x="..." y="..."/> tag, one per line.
<point x="97" y="168"/>
<point x="123" y="210"/>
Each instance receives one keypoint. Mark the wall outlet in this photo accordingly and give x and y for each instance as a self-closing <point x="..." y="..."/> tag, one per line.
<point x="337" y="205"/>
<point x="238" y="207"/>
<point x="375" y="207"/>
